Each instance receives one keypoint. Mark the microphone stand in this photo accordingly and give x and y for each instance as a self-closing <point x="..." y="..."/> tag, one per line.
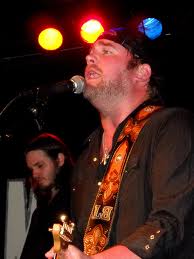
<point x="2" y="113"/>
<point x="9" y="104"/>
<point x="33" y="108"/>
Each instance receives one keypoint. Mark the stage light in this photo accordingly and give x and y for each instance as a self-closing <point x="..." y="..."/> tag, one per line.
<point x="50" y="39"/>
<point x="152" y="27"/>
<point x="90" y="30"/>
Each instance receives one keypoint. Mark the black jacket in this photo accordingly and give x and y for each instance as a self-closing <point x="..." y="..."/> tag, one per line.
<point x="155" y="206"/>
<point x="39" y="240"/>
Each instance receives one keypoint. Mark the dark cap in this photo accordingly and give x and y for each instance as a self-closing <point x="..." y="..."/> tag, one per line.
<point x="134" y="41"/>
<point x="142" y="48"/>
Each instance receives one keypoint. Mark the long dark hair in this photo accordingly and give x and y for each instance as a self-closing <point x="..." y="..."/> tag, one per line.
<point x="52" y="145"/>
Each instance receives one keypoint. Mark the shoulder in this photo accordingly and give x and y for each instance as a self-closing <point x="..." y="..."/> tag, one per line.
<point x="170" y="115"/>
<point x="169" y="111"/>
<point x="170" y="123"/>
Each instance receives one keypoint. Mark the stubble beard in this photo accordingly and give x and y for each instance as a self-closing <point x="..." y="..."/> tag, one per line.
<point x="106" y="93"/>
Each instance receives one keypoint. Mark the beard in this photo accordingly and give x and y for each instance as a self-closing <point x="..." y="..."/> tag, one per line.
<point x="42" y="193"/>
<point x="105" y="92"/>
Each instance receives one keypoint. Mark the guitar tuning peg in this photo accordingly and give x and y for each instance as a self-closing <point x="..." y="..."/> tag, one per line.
<point x="64" y="218"/>
<point x="50" y="229"/>
<point x="72" y="225"/>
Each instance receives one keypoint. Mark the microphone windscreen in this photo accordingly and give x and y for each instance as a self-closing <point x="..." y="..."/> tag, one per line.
<point x="79" y="84"/>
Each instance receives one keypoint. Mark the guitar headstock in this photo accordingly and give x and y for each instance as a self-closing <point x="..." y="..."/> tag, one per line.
<point x="62" y="234"/>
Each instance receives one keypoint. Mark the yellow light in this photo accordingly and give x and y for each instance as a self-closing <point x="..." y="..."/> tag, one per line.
<point x="90" y="30"/>
<point x="50" y="39"/>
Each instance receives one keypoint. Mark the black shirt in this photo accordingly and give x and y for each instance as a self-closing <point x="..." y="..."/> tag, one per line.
<point x="155" y="205"/>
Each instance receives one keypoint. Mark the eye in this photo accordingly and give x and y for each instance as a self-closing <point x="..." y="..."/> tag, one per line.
<point x="107" y="51"/>
<point x="40" y="165"/>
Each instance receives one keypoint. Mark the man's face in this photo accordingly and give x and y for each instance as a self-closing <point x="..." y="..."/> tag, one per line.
<point x="106" y="72"/>
<point x="43" y="169"/>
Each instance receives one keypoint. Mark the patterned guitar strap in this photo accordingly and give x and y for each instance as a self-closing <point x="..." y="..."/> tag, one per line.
<point x="100" y="221"/>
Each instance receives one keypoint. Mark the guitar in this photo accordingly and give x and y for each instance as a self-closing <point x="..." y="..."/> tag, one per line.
<point x="62" y="235"/>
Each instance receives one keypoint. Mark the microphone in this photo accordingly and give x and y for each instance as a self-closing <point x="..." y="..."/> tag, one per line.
<point x="75" y="84"/>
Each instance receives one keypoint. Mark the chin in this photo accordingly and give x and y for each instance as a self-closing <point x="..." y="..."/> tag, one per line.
<point x="42" y="187"/>
<point x="93" y="82"/>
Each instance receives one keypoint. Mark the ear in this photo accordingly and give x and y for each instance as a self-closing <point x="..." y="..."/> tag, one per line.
<point x="144" y="72"/>
<point x="61" y="159"/>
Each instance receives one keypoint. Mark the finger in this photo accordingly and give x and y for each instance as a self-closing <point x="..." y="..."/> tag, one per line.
<point x="76" y="253"/>
<point x="50" y="254"/>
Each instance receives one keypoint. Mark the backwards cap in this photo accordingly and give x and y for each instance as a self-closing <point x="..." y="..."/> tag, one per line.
<point x="134" y="41"/>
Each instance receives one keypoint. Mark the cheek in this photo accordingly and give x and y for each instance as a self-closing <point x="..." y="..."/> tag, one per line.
<point x="52" y="172"/>
<point x="109" y="69"/>
<point x="113" y="67"/>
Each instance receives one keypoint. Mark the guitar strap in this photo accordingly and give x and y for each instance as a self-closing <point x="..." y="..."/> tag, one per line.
<point x="101" y="218"/>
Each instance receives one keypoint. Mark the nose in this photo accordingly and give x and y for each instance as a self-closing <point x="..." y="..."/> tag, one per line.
<point x="90" y="59"/>
<point x="35" y="172"/>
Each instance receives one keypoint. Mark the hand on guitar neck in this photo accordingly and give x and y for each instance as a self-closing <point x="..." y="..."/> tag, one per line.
<point x="62" y="235"/>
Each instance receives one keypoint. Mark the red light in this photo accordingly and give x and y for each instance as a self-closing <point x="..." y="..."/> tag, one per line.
<point x="90" y="30"/>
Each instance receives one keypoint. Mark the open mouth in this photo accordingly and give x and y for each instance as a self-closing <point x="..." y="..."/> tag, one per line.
<point x="91" y="74"/>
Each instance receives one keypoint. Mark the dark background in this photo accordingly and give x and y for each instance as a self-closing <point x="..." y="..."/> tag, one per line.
<point x="24" y="66"/>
